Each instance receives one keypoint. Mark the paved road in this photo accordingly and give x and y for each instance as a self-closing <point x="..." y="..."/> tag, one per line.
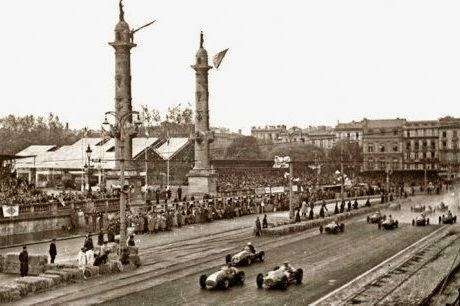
<point x="171" y="269"/>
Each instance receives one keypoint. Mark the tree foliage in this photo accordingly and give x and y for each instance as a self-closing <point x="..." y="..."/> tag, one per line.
<point x="243" y="148"/>
<point x="19" y="132"/>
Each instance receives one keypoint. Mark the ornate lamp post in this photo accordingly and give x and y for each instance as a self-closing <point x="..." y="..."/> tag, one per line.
<point x="88" y="167"/>
<point x="123" y="129"/>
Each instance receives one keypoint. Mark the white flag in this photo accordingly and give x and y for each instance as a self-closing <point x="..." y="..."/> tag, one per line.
<point x="218" y="58"/>
<point x="10" y="210"/>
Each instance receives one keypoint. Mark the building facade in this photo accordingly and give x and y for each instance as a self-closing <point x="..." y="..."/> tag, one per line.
<point x="421" y="145"/>
<point x="383" y="144"/>
<point x="352" y="131"/>
<point x="269" y="133"/>
<point x="449" y="150"/>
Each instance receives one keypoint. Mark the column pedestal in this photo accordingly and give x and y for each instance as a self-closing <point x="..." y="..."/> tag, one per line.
<point x="202" y="181"/>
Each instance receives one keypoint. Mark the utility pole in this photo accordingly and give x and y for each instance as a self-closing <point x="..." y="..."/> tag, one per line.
<point x="341" y="174"/>
<point x="291" y="204"/>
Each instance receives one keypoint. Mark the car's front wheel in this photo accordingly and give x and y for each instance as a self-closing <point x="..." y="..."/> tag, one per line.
<point x="228" y="258"/>
<point x="260" y="280"/>
<point x="203" y="278"/>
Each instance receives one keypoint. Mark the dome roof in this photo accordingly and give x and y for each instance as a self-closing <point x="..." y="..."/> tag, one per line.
<point x="202" y="53"/>
<point x="122" y="26"/>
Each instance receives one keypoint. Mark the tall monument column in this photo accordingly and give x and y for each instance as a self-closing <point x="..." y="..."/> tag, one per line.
<point x="122" y="45"/>
<point x="202" y="178"/>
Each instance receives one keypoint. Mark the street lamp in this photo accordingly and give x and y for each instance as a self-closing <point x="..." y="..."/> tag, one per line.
<point x="88" y="166"/>
<point x="123" y="128"/>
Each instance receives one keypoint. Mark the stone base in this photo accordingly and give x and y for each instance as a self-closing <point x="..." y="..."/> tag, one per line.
<point x="202" y="181"/>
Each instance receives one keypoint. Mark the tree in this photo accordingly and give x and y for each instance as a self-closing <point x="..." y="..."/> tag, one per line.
<point x="348" y="152"/>
<point x="243" y="148"/>
<point x="17" y="133"/>
<point x="297" y="151"/>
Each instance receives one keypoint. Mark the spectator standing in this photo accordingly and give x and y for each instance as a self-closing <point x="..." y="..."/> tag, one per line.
<point x="53" y="250"/>
<point x="81" y="258"/>
<point x="258" y="227"/>
<point x="264" y="222"/>
<point x="24" y="261"/>
<point x="179" y="193"/>
<point x="88" y="245"/>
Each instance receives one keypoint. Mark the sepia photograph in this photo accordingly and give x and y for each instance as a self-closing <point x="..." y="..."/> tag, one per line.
<point x="205" y="152"/>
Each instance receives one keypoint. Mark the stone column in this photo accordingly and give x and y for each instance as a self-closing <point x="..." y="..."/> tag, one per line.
<point x="202" y="178"/>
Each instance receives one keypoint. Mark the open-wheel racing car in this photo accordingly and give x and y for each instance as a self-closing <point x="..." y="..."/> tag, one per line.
<point x="421" y="220"/>
<point x="245" y="257"/>
<point x="222" y="279"/>
<point x="390" y="224"/>
<point x="334" y="228"/>
<point x="418" y="208"/>
<point x="442" y="207"/>
<point x="395" y="206"/>
<point x="449" y="219"/>
<point x="376" y="218"/>
<point x="280" y="277"/>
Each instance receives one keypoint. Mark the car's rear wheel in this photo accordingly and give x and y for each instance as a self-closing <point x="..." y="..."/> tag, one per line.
<point x="262" y="256"/>
<point x="241" y="277"/>
<point x="260" y="280"/>
<point x="203" y="278"/>
<point x="299" y="276"/>
<point x="228" y="258"/>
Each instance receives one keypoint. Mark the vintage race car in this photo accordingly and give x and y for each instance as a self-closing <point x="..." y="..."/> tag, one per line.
<point x="421" y="220"/>
<point x="376" y="218"/>
<point x="222" y="279"/>
<point x="418" y="208"/>
<point x="395" y="206"/>
<point x="442" y="207"/>
<point x="279" y="278"/>
<point x="390" y="224"/>
<point x="334" y="228"/>
<point x="449" y="219"/>
<point x="245" y="257"/>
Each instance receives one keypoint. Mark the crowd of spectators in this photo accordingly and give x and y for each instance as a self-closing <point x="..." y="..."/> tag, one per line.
<point x="15" y="191"/>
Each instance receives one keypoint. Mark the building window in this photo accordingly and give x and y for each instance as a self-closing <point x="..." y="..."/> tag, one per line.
<point x="357" y="136"/>
<point x="408" y="145"/>
<point x="444" y="134"/>
<point x="444" y="143"/>
<point x="370" y="148"/>
<point x="416" y="145"/>
<point x="454" y="133"/>
<point x="382" y="148"/>
<point x="424" y="144"/>
<point x="395" y="148"/>
<point x="433" y="144"/>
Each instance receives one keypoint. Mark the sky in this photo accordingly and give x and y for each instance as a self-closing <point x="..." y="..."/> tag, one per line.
<point x="290" y="62"/>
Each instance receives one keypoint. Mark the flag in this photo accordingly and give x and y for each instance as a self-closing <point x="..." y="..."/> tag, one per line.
<point x="10" y="210"/>
<point x="218" y="58"/>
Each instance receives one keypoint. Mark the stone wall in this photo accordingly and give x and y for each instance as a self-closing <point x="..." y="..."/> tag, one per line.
<point x="26" y="226"/>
